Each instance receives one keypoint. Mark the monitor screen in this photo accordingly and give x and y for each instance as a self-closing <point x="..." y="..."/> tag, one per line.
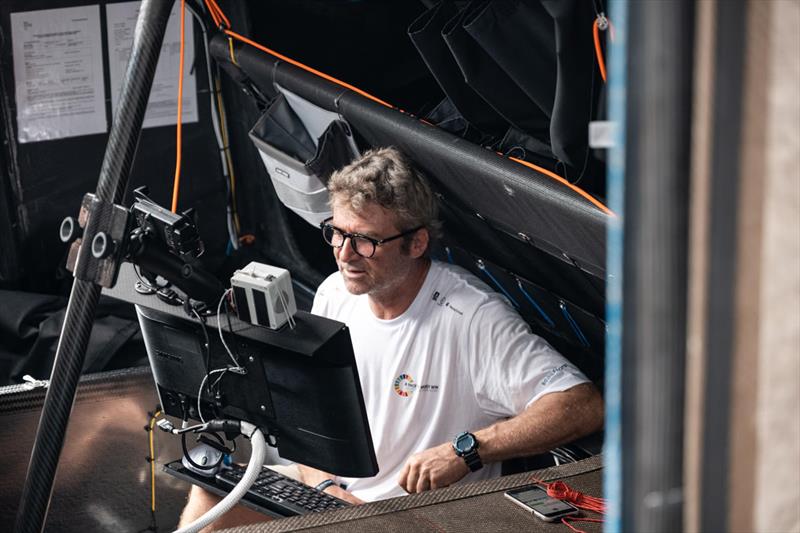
<point x="300" y="386"/>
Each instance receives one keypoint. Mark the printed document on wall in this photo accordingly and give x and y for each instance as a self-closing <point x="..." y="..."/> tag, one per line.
<point x="58" y="73"/>
<point x="162" y="107"/>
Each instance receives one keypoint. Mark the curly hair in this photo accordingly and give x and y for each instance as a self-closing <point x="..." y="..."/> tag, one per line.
<point x="388" y="178"/>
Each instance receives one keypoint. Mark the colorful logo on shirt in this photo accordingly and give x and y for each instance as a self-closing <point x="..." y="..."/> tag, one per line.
<point x="404" y="385"/>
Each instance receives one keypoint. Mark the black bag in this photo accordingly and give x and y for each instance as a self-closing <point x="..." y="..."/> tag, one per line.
<point x="301" y="145"/>
<point x="426" y="34"/>
<point x="489" y="80"/>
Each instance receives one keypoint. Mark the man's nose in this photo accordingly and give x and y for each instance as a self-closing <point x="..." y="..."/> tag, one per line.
<point x="346" y="251"/>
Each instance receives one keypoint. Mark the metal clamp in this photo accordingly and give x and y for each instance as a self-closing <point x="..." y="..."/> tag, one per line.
<point x="104" y="226"/>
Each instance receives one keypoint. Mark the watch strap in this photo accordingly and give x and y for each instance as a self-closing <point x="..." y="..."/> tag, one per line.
<point x="324" y="485"/>
<point x="473" y="460"/>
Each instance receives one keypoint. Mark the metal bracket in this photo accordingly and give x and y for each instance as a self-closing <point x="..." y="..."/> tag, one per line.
<point x="105" y="227"/>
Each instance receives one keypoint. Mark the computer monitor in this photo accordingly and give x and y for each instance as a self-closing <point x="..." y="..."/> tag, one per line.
<point x="300" y="386"/>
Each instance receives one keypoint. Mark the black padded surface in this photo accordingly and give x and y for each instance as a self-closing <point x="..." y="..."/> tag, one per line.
<point x="477" y="506"/>
<point x="103" y="480"/>
<point x="519" y="200"/>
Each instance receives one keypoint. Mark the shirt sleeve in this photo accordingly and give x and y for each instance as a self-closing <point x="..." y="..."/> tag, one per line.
<point x="322" y="297"/>
<point x="510" y="366"/>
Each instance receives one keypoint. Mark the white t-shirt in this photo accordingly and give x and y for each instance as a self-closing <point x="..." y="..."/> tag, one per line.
<point x="458" y="359"/>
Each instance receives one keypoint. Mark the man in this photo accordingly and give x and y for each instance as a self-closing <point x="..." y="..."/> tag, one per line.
<point x="453" y="380"/>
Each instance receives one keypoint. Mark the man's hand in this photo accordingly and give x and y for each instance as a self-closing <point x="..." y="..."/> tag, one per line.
<point x="313" y="477"/>
<point x="338" y="492"/>
<point x="433" y="468"/>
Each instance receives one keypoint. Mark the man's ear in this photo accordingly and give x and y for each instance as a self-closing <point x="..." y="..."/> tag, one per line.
<point x="419" y="243"/>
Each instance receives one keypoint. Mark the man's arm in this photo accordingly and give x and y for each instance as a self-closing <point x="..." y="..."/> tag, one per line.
<point x="554" y="419"/>
<point x="313" y="477"/>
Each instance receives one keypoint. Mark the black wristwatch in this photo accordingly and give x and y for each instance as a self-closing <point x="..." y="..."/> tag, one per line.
<point x="466" y="446"/>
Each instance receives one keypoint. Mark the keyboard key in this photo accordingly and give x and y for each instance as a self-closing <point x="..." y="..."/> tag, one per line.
<point x="280" y="494"/>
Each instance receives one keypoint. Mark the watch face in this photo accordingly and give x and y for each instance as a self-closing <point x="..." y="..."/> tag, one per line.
<point x="465" y="442"/>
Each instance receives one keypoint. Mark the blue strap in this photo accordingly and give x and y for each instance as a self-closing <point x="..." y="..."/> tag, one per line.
<point x="497" y="283"/>
<point x="449" y="255"/>
<point x="575" y="328"/>
<point x="535" y="305"/>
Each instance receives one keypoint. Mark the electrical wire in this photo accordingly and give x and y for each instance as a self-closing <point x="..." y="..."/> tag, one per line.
<point x="225" y="29"/>
<point x="233" y="213"/>
<point x="179" y="126"/>
<point x="207" y="345"/>
<point x="219" y="327"/>
<point x="191" y="461"/>
<point x="153" y="463"/>
<point x="152" y="460"/>
<point x="200" y="391"/>
<point x="289" y="317"/>
<point x="221" y="134"/>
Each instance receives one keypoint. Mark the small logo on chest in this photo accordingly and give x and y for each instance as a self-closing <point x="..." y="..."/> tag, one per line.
<point x="405" y="386"/>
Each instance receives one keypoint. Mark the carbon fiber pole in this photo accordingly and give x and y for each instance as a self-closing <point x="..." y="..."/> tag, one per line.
<point x="71" y="352"/>
<point x="655" y="264"/>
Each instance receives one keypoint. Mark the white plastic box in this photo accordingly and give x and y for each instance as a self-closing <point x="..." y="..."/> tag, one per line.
<point x="263" y="294"/>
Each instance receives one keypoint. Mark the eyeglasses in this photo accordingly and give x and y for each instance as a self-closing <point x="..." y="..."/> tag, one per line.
<point x="362" y="245"/>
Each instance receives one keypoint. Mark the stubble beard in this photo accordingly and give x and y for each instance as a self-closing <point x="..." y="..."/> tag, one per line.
<point x="388" y="281"/>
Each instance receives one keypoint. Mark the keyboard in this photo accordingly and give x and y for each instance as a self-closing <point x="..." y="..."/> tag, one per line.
<point x="272" y="493"/>
<point x="282" y="494"/>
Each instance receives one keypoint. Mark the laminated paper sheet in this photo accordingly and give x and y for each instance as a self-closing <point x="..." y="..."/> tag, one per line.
<point x="162" y="107"/>
<point x="58" y="73"/>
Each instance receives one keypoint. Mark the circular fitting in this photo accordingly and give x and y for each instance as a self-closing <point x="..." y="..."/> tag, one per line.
<point x="101" y="246"/>
<point x="69" y="230"/>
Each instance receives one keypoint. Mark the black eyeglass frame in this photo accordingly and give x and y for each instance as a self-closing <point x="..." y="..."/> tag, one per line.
<point x="375" y="242"/>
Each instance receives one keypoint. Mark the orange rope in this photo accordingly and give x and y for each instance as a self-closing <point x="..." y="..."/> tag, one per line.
<point x="216" y="14"/>
<point x="307" y="68"/>
<point x="561" y="180"/>
<point x="177" y="181"/>
<point x="598" y="50"/>
<point x="365" y="94"/>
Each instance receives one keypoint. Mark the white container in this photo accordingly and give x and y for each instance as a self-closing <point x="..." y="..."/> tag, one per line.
<point x="263" y="295"/>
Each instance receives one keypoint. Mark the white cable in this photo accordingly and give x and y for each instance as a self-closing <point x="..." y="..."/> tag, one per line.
<point x="219" y="327"/>
<point x="257" y="456"/>
<point x="289" y="317"/>
<point x="200" y="391"/>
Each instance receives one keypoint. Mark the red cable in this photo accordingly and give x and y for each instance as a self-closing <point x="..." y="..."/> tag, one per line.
<point x="561" y="491"/>
<point x="567" y="519"/>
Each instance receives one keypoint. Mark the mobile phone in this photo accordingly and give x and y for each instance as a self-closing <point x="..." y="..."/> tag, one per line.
<point x="534" y="499"/>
